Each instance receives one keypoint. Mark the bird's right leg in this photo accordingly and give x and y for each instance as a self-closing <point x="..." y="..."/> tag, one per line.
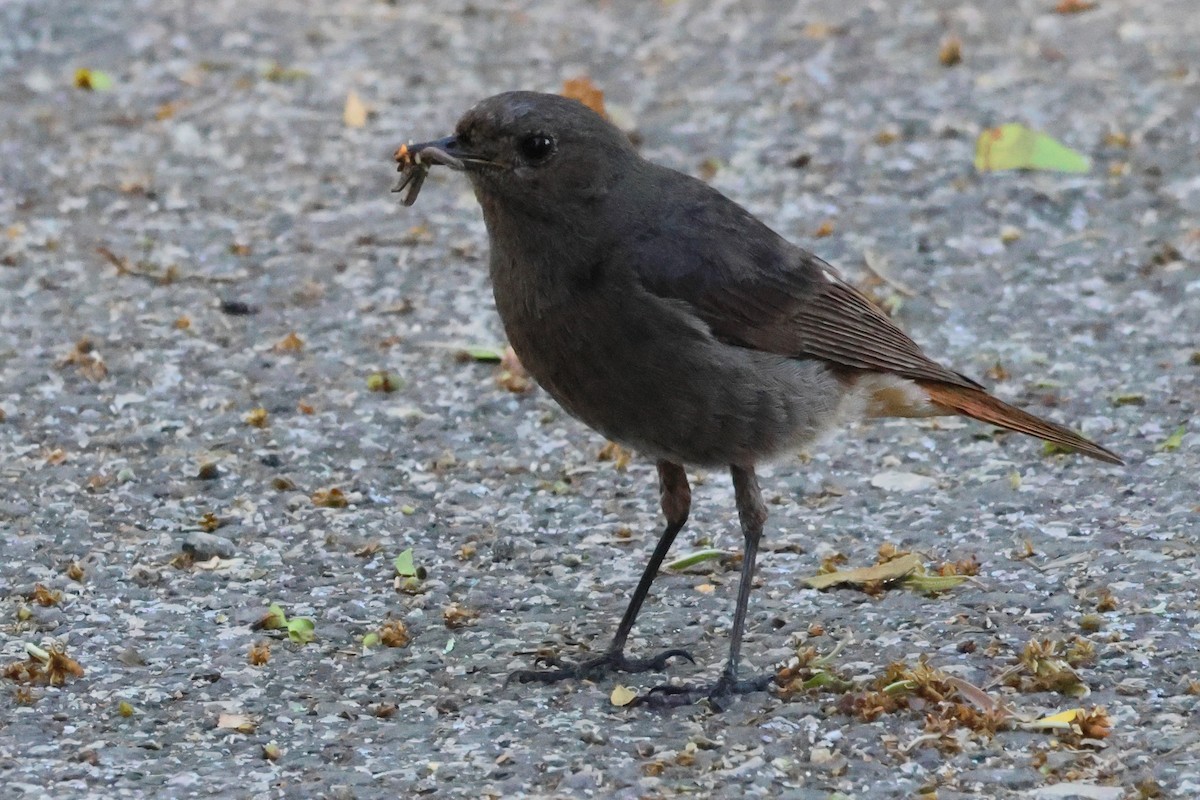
<point x="676" y="497"/>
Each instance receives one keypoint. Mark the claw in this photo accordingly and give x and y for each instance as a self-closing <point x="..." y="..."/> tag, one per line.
<point x="673" y="696"/>
<point x="659" y="662"/>
<point x="547" y="660"/>
<point x="613" y="661"/>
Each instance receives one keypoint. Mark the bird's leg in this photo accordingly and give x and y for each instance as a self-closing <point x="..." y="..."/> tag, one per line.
<point x="676" y="497"/>
<point x="752" y="512"/>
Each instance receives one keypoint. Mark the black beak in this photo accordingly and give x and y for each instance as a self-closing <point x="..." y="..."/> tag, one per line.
<point x="444" y="151"/>
<point x="414" y="161"/>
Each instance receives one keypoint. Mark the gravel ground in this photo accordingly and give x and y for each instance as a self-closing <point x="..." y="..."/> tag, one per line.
<point x="163" y="238"/>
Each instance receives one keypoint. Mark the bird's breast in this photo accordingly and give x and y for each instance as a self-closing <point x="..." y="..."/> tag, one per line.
<point x="647" y="373"/>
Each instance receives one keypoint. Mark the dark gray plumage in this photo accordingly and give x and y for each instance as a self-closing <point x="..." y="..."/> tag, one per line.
<point x="669" y="319"/>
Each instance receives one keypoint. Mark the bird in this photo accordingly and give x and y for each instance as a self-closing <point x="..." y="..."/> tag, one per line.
<point x="671" y="320"/>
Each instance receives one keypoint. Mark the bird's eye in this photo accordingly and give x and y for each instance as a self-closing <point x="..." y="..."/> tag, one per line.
<point x="536" y="147"/>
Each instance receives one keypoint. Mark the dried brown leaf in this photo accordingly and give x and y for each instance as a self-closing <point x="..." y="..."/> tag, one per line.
<point x="950" y="53"/>
<point x="332" y="497"/>
<point x="1074" y="6"/>
<point x="260" y="653"/>
<point x="586" y="92"/>
<point x="456" y="616"/>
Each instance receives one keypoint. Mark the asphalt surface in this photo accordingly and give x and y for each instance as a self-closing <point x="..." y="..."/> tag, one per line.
<point x="163" y="237"/>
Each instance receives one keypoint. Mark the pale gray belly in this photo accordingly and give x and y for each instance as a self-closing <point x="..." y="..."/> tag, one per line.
<point x="648" y="375"/>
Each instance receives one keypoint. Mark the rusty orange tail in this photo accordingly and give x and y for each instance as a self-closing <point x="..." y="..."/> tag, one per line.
<point x="980" y="405"/>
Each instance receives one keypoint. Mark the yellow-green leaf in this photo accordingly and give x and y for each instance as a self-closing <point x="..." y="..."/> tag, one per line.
<point x="1014" y="146"/>
<point x="1056" y="449"/>
<point x="932" y="584"/>
<point x="900" y="687"/>
<point x="93" y="80"/>
<point x="827" y="680"/>
<point x="698" y="557"/>
<point x="481" y="353"/>
<point x="274" y="619"/>
<point x="1173" y="441"/>
<point x="1131" y="399"/>
<point x="405" y="567"/>
<point x="383" y="381"/>
<point x="1060" y="721"/>
<point x="301" y="630"/>
<point x="622" y="695"/>
<point x="889" y="571"/>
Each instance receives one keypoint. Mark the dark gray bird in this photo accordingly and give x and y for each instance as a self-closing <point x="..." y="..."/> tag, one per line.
<point x="666" y="317"/>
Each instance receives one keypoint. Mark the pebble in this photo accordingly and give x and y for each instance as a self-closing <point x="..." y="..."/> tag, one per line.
<point x="203" y="546"/>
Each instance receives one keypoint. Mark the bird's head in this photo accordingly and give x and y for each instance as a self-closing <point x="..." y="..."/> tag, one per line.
<point x="526" y="151"/>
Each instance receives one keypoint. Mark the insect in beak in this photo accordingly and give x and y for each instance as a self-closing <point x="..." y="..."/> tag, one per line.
<point x="415" y="160"/>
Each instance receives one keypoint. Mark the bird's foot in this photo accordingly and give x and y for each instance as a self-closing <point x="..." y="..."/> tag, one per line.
<point x="592" y="668"/>
<point x="717" y="694"/>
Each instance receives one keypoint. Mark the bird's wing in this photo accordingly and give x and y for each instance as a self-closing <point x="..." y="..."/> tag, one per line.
<point x="820" y="316"/>
<point x="754" y="289"/>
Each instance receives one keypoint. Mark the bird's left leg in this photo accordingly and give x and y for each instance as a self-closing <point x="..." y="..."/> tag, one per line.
<point x="676" y="497"/>
<point x="752" y="512"/>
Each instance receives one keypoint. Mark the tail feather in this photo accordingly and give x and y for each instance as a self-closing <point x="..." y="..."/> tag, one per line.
<point x="982" y="406"/>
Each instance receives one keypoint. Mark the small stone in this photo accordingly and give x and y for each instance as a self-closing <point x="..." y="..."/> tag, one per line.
<point x="1003" y="778"/>
<point x="144" y="576"/>
<point x="47" y="619"/>
<point x="504" y="550"/>
<point x="203" y="546"/>
<point x="820" y="755"/>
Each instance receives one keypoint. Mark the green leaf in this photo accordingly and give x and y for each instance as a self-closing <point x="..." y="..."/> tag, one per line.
<point x="1131" y="399"/>
<point x="372" y="640"/>
<point x="1056" y="449"/>
<point x="301" y="630"/>
<point x="481" y="353"/>
<point x="698" y="557"/>
<point x="411" y="586"/>
<point x="405" y="567"/>
<point x="93" y="80"/>
<point x="383" y="381"/>
<point x="899" y="687"/>
<point x="1173" y="441"/>
<point x="1014" y="146"/>
<point x="827" y="680"/>
<point x="273" y="619"/>
<point x="280" y="74"/>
